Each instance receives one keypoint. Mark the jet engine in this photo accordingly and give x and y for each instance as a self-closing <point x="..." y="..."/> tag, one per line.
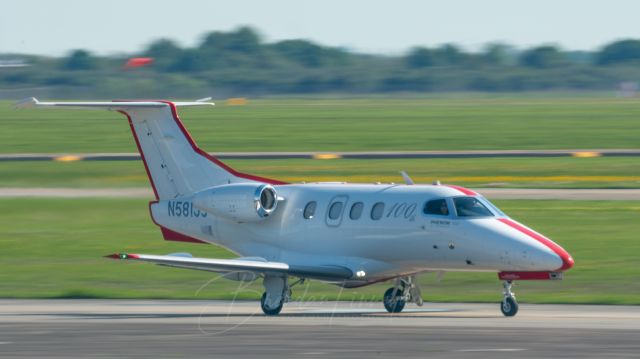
<point x="240" y="202"/>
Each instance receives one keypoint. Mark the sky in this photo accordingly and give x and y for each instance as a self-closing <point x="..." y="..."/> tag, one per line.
<point x="384" y="27"/>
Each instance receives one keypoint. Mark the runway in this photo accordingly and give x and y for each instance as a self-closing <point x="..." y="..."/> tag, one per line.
<point x="491" y="193"/>
<point x="221" y="329"/>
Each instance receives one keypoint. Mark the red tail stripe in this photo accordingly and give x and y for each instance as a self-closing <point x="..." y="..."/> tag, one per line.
<point x="144" y="161"/>
<point x="195" y="147"/>
<point x="567" y="261"/>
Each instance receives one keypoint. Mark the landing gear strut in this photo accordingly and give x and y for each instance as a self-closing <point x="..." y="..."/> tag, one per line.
<point x="509" y="305"/>
<point x="405" y="290"/>
<point x="276" y="293"/>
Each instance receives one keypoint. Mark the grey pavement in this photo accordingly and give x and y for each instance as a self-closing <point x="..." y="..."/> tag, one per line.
<point x="221" y="329"/>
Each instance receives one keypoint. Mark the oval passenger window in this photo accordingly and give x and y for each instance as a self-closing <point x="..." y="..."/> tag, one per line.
<point x="309" y="210"/>
<point x="335" y="211"/>
<point x="356" y="210"/>
<point x="377" y="211"/>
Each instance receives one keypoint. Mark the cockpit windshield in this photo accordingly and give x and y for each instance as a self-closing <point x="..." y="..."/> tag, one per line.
<point x="471" y="207"/>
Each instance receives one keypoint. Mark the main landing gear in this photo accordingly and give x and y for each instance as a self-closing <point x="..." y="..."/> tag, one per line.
<point x="405" y="290"/>
<point x="277" y="291"/>
<point x="509" y="305"/>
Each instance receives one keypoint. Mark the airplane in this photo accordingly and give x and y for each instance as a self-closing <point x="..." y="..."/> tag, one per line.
<point x="347" y="234"/>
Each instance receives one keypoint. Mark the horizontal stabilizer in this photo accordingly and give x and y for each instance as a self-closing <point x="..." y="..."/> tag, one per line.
<point x="114" y="105"/>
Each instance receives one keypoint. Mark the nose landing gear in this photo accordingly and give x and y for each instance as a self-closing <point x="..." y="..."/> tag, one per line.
<point x="509" y="305"/>
<point x="405" y="290"/>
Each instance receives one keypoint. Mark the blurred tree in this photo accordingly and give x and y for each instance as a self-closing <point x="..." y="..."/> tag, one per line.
<point x="496" y="54"/>
<point x="163" y="48"/>
<point x="239" y="63"/>
<point x="542" y="57"/>
<point x="619" y="52"/>
<point x="420" y="57"/>
<point x="449" y="54"/>
<point x="189" y="61"/>
<point x="308" y="54"/>
<point x="165" y="53"/>
<point x="79" y="60"/>
<point x="241" y="47"/>
<point x="243" y="40"/>
<point x="301" y="52"/>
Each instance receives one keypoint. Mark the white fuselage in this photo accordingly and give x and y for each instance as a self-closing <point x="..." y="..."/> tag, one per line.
<point x="404" y="239"/>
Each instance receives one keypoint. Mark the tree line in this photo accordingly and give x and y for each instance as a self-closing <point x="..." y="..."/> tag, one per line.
<point x="240" y="63"/>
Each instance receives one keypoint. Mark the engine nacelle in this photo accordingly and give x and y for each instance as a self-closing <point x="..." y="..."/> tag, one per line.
<point x="241" y="202"/>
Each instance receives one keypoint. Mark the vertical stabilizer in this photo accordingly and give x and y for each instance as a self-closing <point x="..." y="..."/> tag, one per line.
<point x="175" y="164"/>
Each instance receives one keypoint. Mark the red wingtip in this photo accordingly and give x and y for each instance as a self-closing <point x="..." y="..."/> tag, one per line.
<point x="113" y="256"/>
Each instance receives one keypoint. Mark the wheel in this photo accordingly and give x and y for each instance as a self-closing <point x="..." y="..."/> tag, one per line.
<point x="393" y="303"/>
<point x="270" y="311"/>
<point x="509" y="307"/>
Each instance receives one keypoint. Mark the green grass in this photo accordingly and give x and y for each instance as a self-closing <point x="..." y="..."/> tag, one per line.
<point x="569" y="172"/>
<point x="453" y="123"/>
<point x="54" y="248"/>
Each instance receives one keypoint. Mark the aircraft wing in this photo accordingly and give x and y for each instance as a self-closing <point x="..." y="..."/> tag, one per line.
<point x="254" y="265"/>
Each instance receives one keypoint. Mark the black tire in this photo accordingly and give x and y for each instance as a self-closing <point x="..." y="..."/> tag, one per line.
<point x="393" y="301"/>
<point x="509" y="307"/>
<point x="270" y="311"/>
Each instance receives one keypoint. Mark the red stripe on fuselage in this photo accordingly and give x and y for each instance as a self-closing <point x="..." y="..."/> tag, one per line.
<point x="466" y="191"/>
<point x="526" y="275"/>
<point x="170" y="235"/>
<point x="567" y="261"/>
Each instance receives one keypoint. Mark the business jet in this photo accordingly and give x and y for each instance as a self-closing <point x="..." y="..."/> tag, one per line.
<point x="351" y="235"/>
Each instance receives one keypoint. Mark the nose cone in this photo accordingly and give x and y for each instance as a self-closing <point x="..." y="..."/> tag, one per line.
<point x="554" y="257"/>
<point x="567" y="259"/>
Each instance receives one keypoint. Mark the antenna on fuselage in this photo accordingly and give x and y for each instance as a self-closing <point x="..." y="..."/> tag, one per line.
<point x="406" y="178"/>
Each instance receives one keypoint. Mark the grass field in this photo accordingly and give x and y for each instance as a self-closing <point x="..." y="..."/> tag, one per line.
<point x="54" y="248"/>
<point x="464" y="123"/>
<point x="569" y="172"/>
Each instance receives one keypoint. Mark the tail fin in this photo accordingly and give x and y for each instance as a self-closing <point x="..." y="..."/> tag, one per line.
<point x="175" y="164"/>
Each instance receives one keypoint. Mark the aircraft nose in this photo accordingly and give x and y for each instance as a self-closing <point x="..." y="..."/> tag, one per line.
<point x="556" y="257"/>
<point x="553" y="259"/>
<point x="545" y="259"/>
<point x="567" y="259"/>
